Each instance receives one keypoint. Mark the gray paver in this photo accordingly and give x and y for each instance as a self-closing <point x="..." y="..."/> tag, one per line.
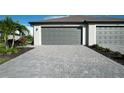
<point x="63" y="61"/>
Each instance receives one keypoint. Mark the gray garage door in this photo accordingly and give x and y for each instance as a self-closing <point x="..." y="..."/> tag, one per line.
<point x="110" y="35"/>
<point x="61" y="36"/>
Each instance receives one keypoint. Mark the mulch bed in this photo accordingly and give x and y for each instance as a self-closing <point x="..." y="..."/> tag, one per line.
<point x="108" y="54"/>
<point x="10" y="56"/>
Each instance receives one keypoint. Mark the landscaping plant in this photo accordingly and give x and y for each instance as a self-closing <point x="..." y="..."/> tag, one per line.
<point x="108" y="52"/>
<point x="9" y="27"/>
<point x="29" y="39"/>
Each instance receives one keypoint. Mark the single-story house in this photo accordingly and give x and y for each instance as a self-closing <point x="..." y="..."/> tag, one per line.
<point x="79" y="30"/>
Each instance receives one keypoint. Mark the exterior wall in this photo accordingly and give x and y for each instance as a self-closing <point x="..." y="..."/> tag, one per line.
<point x="37" y="35"/>
<point x="91" y="34"/>
<point x="84" y="35"/>
<point x="89" y="31"/>
<point x="37" y="29"/>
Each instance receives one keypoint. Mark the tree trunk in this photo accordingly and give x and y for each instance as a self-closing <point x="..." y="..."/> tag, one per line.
<point x="13" y="41"/>
<point x="5" y="41"/>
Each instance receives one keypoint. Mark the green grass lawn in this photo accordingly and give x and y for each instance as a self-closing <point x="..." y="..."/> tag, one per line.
<point x="3" y="60"/>
<point x="6" y="55"/>
<point x="1" y="44"/>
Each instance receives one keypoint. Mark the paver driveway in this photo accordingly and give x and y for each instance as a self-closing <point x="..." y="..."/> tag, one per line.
<point x="61" y="61"/>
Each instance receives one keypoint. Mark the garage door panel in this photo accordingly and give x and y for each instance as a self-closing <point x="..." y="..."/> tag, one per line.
<point x="110" y="35"/>
<point x="61" y="36"/>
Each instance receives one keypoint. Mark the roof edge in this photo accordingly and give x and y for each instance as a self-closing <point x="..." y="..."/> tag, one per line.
<point x="79" y="22"/>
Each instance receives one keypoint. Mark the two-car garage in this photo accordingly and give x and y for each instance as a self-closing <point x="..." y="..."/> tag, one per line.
<point x="61" y="35"/>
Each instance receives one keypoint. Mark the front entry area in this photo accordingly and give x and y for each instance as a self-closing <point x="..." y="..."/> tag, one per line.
<point x="61" y="36"/>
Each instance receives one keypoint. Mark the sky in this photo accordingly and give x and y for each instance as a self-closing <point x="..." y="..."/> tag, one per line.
<point x="24" y="19"/>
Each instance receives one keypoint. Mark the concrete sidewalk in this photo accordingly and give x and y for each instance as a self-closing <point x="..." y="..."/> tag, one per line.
<point x="63" y="61"/>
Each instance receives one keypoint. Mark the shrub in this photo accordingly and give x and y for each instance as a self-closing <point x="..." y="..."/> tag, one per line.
<point x="29" y="39"/>
<point x="117" y="55"/>
<point x="8" y="51"/>
<point x="100" y="48"/>
<point x="32" y="43"/>
<point x="97" y="47"/>
<point x="21" y="41"/>
<point x="3" y="50"/>
<point x="1" y="45"/>
<point x="106" y="50"/>
<point x="123" y="56"/>
<point x="12" y="51"/>
<point x="94" y="46"/>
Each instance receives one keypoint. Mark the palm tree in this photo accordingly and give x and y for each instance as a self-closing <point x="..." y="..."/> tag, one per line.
<point x="15" y="27"/>
<point x="8" y="26"/>
<point x="21" y="28"/>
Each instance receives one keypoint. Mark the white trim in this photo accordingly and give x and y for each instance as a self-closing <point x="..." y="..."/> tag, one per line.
<point x="84" y="35"/>
<point x="91" y="34"/>
<point x="109" y="24"/>
<point x="61" y="25"/>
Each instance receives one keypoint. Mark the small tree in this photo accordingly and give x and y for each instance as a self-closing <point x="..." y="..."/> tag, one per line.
<point x="21" y="28"/>
<point x="6" y="28"/>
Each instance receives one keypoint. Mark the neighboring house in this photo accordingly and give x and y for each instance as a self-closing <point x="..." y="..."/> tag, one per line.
<point x="17" y="35"/>
<point x="79" y="30"/>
